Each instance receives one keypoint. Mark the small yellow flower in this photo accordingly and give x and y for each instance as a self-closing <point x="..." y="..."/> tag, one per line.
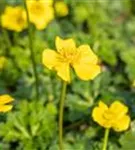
<point x="61" y="9"/>
<point x="4" y="103"/>
<point x="3" y="61"/>
<point x="82" y="59"/>
<point x="114" y="116"/>
<point x="133" y="84"/>
<point x="14" y="18"/>
<point x="40" y="12"/>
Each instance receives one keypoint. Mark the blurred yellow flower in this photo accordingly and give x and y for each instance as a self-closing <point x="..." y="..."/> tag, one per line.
<point x="4" y="103"/>
<point x="82" y="59"/>
<point x="41" y="12"/>
<point x="14" y="18"/>
<point x="3" y="61"/>
<point x="61" y="9"/>
<point x="133" y="83"/>
<point x="114" y="116"/>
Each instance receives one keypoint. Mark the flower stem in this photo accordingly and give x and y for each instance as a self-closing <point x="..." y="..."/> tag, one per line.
<point x="31" y="46"/>
<point x="61" y="112"/>
<point x="106" y="135"/>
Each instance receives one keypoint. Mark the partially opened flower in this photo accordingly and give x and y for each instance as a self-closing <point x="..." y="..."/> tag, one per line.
<point x="14" y="18"/>
<point x="115" y="116"/>
<point x="40" y="12"/>
<point x="82" y="59"/>
<point x="61" y="9"/>
<point x="4" y="103"/>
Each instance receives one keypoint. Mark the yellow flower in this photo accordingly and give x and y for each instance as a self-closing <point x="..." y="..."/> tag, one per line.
<point x="61" y="9"/>
<point x="82" y="59"/>
<point x="40" y="12"/>
<point x="4" y="103"/>
<point x="14" y="18"/>
<point x="133" y="83"/>
<point x="3" y="61"/>
<point x="114" y="116"/>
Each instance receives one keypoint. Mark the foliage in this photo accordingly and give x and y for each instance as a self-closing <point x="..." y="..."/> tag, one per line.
<point x="32" y="125"/>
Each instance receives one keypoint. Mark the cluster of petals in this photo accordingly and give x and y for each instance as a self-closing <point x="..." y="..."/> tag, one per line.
<point x="115" y="116"/>
<point x="4" y="103"/>
<point x="82" y="59"/>
<point x="14" y="18"/>
<point x="41" y="12"/>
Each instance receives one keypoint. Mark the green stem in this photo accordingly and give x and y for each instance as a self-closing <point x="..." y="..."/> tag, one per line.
<point x="61" y="112"/>
<point x="31" y="46"/>
<point x="106" y="136"/>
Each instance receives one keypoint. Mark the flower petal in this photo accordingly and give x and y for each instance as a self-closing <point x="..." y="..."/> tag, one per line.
<point x="4" y="99"/>
<point x="67" y="45"/>
<point x="86" y="71"/>
<point x="49" y="58"/>
<point x="86" y="55"/>
<point x="43" y="20"/>
<point x="119" y="109"/>
<point x="40" y="24"/>
<point x="85" y="65"/>
<point x="5" y="108"/>
<point x="63" y="71"/>
<point x="122" y="124"/>
<point x="98" y="113"/>
<point x="102" y="105"/>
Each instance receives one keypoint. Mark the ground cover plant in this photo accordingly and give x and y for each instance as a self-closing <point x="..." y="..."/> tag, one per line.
<point x="67" y="77"/>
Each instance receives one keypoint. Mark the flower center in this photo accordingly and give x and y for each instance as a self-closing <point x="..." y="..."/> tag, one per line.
<point x="37" y="9"/>
<point x="109" y="115"/>
<point x="20" y="20"/>
<point x="68" y="56"/>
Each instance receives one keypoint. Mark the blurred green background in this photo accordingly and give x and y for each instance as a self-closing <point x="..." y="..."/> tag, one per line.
<point x="108" y="26"/>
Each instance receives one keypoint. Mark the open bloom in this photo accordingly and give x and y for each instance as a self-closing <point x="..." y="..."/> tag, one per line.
<point x="114" y="116"/>
<point x="82" y="59"/>
<point x="40" y="12"/>
<point x="14" y="18"/>
<point x="4" y="103"/>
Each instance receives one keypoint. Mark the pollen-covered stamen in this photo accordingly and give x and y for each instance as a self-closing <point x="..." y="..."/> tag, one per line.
<point x="68" y="56"/>
<point x="20" y="20"/>
<point x="108" y="115"/>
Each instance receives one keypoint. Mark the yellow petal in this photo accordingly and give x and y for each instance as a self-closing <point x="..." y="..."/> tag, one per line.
<point x="86" y="55"/>
<point x="86" y="71"/>
<point x="40" y="24"/>
<point x="102" y="105"/>
<point x="42" y="21"/>
<point x="98" y="114"/>
<point x="5" y="108"/>
<point x="119" y="109"/>
<point x="4" y="99"/>
<point x="86" y="63"/>
<point x="49" y="58"/>
<point x="63" y="71"/>
<point x="67" y="45"/>
<point x="122" y="124"/>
